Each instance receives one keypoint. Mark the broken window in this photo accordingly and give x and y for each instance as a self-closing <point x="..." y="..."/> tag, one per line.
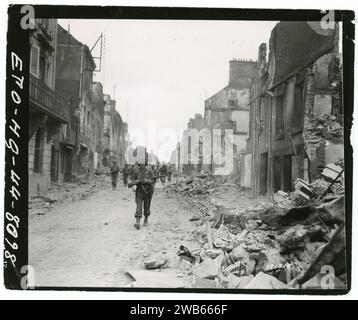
<point x="279" y="116"/>
<point x="39" y="150"/>
<point x="296" y="120"/>
<point x="232" y="102"/>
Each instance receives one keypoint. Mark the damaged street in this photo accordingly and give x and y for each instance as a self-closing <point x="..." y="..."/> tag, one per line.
<point x="169" y="185"/>
<point x="199" y="236"/>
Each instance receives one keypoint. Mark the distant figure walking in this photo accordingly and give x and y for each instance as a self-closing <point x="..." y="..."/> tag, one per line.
<point x="114" y="174"/>
<point x="125" y="173"/>
<point x="163" y="172"/>
<point x="169" y="173"/>
<point x="144" y="180"/>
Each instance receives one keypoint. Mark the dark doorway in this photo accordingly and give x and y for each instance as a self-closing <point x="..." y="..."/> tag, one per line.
<point x="39" y="150"/>
<point x="263" y="173"/>
<point x="67" y="165"/>
<point x="54" y="164"/>
<point x="287" y="173"/>
<point x="277" y="174"/>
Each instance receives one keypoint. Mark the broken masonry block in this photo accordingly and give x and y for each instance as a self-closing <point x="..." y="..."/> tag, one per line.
<point x="265" y="281"/>
<point x="331" y="172"/>
<point x="304" y="189"/>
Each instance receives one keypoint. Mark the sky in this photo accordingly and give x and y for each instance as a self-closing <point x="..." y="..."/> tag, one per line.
<point x="161" y="71"/>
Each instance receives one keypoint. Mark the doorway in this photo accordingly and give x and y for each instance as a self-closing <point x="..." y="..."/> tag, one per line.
<point x="287" y="173"/>
<point x="54" y="164"/>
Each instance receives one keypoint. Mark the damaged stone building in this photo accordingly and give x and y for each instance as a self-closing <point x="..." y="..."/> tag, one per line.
<point x="97" y="124"/>
<point x="190" y="151"/>
<point x="296" y="113"/>
<point x="74" y="81"/>
<point x="228" y="110"/>
<point x="48" y="111"/>
<point x="115" y="134"/>
<point x="69" y="129"/>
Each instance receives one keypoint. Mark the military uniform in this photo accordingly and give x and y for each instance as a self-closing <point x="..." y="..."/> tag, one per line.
<point x="125" y="173"/>
<point x="114" y="175"/>
<point x="155" y="173"/>
<point x="169" y="174"/>
<point x="144" y="191"/>
<point x="163" y="171"/>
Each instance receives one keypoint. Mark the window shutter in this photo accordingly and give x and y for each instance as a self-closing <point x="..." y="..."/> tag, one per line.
<point x="34" y="60"/>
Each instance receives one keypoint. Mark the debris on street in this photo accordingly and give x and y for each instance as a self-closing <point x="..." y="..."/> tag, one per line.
<point x="155" y="263"/>
<point x="273" y="245"/>
<point x="60" y="193"/>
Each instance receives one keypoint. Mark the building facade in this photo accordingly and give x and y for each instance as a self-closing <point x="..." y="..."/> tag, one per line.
<point x="74" y="81"/>
<point x="115" y="134"/>
<point x="48" y="111"/>
<point x="295" y="108"/>
<point x="227" y="118"/>
<point x="97" y="124"/>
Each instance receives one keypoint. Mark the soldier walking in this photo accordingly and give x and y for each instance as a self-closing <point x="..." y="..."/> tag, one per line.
<point x="143" y="179"/>
<point x="163" y="172"/>
<point x="125" y="174"/>
<point x="169" y="173"/>
<point x="114" y="174"/>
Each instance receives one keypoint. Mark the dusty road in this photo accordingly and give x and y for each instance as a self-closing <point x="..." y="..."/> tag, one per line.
<point x="92" y="242"/>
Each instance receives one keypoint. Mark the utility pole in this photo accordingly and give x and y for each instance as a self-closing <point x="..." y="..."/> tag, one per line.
<point x="100" y="41"/>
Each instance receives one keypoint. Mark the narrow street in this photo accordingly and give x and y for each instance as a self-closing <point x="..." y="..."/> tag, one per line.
<point x="82" y="235"/>
<point x="257" y="168"/>
<point x="92" y="242"/>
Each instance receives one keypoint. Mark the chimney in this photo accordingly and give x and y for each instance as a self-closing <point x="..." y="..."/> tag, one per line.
<point x="242" y="69"/>
<point x="262" y="54"/>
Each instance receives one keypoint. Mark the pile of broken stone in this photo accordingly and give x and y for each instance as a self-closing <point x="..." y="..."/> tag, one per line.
<point x="279" y="245"/>
<point x="324" y="127"/>
<point x="194" y="192"/>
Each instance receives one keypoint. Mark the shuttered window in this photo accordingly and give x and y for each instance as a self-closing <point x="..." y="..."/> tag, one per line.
<point x="34" y="60"/>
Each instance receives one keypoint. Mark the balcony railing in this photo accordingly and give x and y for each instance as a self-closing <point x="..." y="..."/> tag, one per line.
<point x="71" y="137"/>
<point x="47" y="101"/>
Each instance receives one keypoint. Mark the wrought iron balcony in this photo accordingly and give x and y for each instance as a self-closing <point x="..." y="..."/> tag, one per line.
<point x="70" y="138"/>
<point x="47" y="101"/>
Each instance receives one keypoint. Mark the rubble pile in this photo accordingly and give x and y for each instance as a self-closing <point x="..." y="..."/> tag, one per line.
<point x="41" y="203"/>
<point x="275" y="245"/>
<point x="326" y="126"/>
<point x="194" y="191"/>
<point x="283" y="252"/>
<point x="198" y="185"/>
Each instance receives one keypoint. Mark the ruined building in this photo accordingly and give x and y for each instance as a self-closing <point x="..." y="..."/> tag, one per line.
<point x="295" y="108"/>
<point x="48" y="111"/>
<point x="74" y="77"/>
<point x="228" y="110"/>
<point x="190" y="152"/>
<point x="97" y="124"/>
<point x="115" y="134"/>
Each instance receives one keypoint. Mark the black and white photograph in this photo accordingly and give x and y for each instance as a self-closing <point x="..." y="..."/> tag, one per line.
<point x="184" y="153"/>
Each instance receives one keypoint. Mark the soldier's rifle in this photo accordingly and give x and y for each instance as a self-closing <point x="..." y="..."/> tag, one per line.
<point x="133" y="183"/>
